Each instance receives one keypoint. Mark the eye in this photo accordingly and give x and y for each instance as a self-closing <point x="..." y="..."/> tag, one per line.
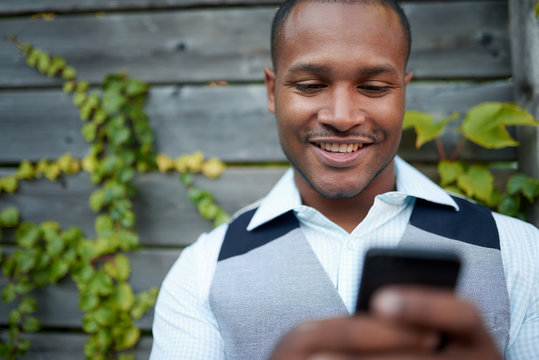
<point x="309" y="88"/>
<point x="373" y="90"/>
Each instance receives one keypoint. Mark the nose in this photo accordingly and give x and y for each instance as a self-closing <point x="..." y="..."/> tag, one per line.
<point x="343" y="110"/>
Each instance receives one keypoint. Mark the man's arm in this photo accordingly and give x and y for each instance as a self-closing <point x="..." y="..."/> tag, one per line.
<point x="406" y="323"/>
<point x="184" y="327"/>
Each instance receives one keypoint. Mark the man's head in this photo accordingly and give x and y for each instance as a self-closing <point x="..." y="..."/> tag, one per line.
<point x="338" y="94"/>
<point x="281" y="16"/>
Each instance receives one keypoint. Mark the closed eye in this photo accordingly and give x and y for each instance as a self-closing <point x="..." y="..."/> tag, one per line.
<point x="309" y="88"/>
<point x="374" y="90"/>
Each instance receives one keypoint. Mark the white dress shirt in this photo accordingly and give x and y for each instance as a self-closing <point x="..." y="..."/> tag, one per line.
<point x="184" y="326"/>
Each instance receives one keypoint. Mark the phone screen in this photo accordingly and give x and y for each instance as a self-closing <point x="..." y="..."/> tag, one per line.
<point x="406" y="266"/>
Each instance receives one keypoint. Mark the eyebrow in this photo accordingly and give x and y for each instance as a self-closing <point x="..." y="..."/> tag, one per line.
<point x="323" y="69"/>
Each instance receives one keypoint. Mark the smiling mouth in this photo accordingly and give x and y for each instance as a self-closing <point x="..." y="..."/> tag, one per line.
<point x="340" y="148"/>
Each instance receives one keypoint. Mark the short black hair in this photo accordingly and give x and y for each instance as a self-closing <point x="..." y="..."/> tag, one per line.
<point x="279" y="21"/>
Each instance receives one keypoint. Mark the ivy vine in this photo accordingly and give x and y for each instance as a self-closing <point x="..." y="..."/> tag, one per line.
<point x="484" y="125"/>
<point x="120" y="141"/>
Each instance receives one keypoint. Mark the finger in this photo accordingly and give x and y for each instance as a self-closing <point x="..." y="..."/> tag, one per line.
<point x="430" y="308"/>
<point x="358" y="334"/>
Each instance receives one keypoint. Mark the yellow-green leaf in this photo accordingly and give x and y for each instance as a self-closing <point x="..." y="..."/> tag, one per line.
<point x="485" y="123"/>
<point x="9" y="217"/>
<point x="426" y="128"/>
<point x="25" y="170"/>
<point x="449" y="171"/>
<point x="477" y="182"/>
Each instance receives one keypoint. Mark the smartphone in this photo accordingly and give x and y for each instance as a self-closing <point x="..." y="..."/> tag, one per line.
<point x="406" y="266"/>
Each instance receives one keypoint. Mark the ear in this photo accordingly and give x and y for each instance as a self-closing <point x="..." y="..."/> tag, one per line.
<point x="407" y="77"/>
<point x="269" y="78"/>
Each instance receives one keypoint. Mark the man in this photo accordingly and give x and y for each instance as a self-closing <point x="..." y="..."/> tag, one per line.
<point x="281" y="280"/>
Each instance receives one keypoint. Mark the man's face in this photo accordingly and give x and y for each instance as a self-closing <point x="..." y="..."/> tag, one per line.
<point x="338" y="95"/>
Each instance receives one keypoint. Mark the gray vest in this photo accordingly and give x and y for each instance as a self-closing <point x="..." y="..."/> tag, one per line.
<point x="269" y="280"/>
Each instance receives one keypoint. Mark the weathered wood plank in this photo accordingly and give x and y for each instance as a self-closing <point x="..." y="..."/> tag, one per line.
<point x="15" y="7"/>
<point x="164" y="214"/>
<point x="457" y="39"/>
<point x="525" y="55"/>
<point x="68" y="346"/>
<point x="230" y="122"/>
<point x="148" y="268"/>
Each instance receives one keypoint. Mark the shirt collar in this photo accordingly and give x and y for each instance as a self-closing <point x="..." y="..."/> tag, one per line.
<point x="285" y="196"/>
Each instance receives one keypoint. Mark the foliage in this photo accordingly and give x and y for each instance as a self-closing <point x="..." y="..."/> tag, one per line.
<point x="121" y="144"/>
<point x="484" y="125"/>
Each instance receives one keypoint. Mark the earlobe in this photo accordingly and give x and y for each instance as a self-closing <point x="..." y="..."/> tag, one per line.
<point x="269" y="78"/>
<point x="407" y="77"/>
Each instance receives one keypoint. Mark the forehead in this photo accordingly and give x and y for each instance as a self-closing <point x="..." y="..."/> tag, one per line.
<point x="329" y="30"/>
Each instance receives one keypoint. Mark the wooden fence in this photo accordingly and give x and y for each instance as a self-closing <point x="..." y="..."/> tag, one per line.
<point x="461" y="56"/>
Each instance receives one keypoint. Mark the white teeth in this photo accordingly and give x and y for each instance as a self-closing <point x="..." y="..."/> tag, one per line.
<point x="340" y="148"/>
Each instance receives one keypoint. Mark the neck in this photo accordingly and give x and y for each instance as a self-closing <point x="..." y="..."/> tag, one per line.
<point x="349" y="212"/>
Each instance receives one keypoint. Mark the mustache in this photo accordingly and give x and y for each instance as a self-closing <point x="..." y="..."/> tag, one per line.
<point x="327" y="133"/>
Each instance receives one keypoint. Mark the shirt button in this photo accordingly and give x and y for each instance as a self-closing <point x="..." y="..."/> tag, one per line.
<point x="351" y="245"/>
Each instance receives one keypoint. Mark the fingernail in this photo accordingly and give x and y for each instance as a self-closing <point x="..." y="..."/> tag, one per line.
<point x="388" y="302"/>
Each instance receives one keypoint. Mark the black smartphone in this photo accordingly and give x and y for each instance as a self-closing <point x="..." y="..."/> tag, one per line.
<point x="406" y="266"/>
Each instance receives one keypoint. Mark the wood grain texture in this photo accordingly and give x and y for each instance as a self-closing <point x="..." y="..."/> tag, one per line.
<point x="451" y="40"/>
<point x="230" y="122"/>
<point x="58" y="304"/>
<point x="15" y="7"/>
<point x="525" y="55"/>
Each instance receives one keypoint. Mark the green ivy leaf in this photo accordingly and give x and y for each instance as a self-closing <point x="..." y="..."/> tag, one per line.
<point x="101" y="284"/>
<point x="30" y="324"/>
<point x="105" y="315"/>
<point x="104" y="225"/>
<point x="8" y="293"/>
<point x="23" y="345"/>
<point x="89" y="131"/>
<point x="426" y="128"/>
<point x="135" y="87"/>
<point x="27" y="235"/>
<point x="55" y="246"/>
<point x="9" y="217"/>
<point x="123" y="267"/>
<point x="28" y="305"/>
<point x="530" y="189"/>
<point x="25" y="260"/>
<point x="127" y="240"/>
<point x="69" y="73"/>
<point x="97" y="200"/>
<point x="25" y="171"/>
<point x="449" y="171"/>
<point x="477" y="182"/>
<point x="112" y="101"/>
<point x="515" y="182"/>
<point x="485" y="123"/>
<point x="208" y="209"/>
<point x="124" y="297"/>
<point x="89" y="323"/>
<point x="509" y="205"/>
<point x="58" y="270"/>
<point x="68" y="87"/>
<point x="14" y="317"/>
<point x="82" y="274"/>
<point x="126" y="337"/>
<point x="9" y="184"/>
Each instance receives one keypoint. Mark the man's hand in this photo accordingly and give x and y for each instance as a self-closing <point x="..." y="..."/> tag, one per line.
<point x="404" y="323"/>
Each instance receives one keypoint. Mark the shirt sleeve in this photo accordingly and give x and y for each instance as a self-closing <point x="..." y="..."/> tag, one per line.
<point x="519" y="242"/>
<point x="184" y="327"/>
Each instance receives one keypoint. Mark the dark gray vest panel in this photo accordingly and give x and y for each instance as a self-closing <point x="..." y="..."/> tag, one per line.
<point x="269" y="280"/>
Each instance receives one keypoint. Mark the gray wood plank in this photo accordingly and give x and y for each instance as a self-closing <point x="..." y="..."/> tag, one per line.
<point x="164" y="214"/>
<point x="58" y="304"/>
<point x="457" y="39"/>
<point x="14" y="7"/>
<point x="525" y="51"/>
<point x="230" y="122"/>
<point x="68" y="346"/>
